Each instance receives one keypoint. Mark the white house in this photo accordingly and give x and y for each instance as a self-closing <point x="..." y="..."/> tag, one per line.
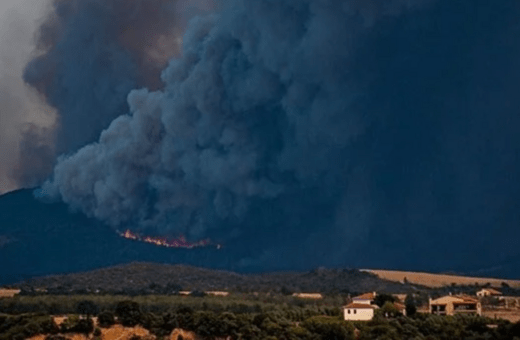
<point x="358" y="312"/>
<point x="488" y="292"/>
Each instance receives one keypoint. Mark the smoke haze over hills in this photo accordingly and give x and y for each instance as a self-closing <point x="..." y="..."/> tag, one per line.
<point x="300" y="132"/>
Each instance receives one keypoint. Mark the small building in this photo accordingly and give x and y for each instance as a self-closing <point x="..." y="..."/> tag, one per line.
<point x="217" y="293"/>
<point x="510" y="301"/>
<point x="315" y="296"/>
<point x="488" y="292"/>
<point x="366" y="299"/>
<point x="400" y="307"/>
<point x="358" y="312"/>
<point x="455" y="304"/>
<point x="401" y="298"/>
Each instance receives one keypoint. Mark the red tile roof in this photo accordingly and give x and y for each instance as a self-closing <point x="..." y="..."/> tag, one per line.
<point x="399" y="306"/>
<point x="366" y="296"/>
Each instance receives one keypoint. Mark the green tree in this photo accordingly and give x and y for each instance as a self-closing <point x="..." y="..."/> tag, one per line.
<point x="381" y="299"/>
<point x="87" y="307"/>
<point x="410" y="305"/>
<point x="128" y="313"/>
<point x="389" y="310"/>
<point x="106" y="319"/>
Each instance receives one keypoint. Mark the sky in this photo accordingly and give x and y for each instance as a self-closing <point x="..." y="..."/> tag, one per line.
<point x="21" y="105"/>
<point x="302" y="132"/>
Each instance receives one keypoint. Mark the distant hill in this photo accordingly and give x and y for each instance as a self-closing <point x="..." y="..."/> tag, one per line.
<point x="155" y="278"/>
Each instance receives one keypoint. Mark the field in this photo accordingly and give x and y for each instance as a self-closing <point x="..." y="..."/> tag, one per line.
<point x="438" y="280"/>
<point x="8" y="293"/>
<point x="512" y="315"/>
<point x="116" y="332"/>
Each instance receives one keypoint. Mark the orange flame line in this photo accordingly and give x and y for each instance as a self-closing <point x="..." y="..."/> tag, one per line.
<point x="180" y="242"/>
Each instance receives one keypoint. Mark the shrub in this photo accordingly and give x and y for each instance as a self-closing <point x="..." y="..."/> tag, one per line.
<point x="128" y="313"/>
<point x="106" y="319"/>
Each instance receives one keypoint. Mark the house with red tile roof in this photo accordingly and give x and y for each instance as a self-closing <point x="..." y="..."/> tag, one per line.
<point x="488" y="292"/>
<point x="359" y="311"/>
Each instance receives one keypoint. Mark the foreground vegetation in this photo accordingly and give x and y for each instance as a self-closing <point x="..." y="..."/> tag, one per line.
<point x="239" y="316"/>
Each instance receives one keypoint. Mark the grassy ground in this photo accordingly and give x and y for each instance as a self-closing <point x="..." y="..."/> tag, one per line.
<point x="438" y="280"/>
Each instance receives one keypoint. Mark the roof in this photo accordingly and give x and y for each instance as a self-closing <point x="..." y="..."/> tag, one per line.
<point x="360" y="306"/>
<point x="491" y="291"/>
<point x="467" y="298"/>
<point x="399" y="306"/>
<point x="400" y="297"/>
<point x="366" y="296"/>
<point x="308" y="295"/>
<point x="453" y="299"/>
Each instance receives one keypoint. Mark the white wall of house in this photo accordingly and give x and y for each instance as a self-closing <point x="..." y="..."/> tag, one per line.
<point x="358" y="314"/>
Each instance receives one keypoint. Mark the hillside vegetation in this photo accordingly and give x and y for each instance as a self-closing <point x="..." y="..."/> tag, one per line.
<point x="152" y="278"/>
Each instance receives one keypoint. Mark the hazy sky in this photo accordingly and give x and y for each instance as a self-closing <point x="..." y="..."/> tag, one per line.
<point x="18" y="104"/>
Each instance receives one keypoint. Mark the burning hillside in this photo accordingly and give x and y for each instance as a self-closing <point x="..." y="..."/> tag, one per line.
<point x="179" y="242"/>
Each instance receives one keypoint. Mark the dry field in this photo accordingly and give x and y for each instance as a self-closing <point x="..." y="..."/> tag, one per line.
<point x="8" y="293"/>
<point x="438" y="280"/>
<point x="512" y="315"/>
<point x="118" y="332"/>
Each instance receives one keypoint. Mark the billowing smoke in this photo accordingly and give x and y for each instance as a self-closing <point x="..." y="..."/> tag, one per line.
<point x="91" y="53"/>
<point x="318" y="132"/>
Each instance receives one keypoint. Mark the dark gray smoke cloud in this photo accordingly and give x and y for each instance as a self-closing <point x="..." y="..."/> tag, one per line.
<point x="322" y="132"/>
<point x="91" y="54"/>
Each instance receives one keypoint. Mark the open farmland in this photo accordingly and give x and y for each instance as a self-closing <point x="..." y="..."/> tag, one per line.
<point x="438" y="280"/>
<point x="8" y="293"/>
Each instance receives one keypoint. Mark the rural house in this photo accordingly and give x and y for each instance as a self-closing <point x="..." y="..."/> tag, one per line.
<point x="455" y="304"/>
<point x="358" y="312"/>
<point x="315" y="296"/>
<point x="488" y="292"/>
<point x="361" y="308"/>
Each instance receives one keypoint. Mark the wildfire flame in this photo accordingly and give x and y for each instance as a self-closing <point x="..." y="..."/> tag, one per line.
<point x="179" y="242"/>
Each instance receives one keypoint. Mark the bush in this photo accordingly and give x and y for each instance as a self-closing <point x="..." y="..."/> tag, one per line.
<point x="87" y="307"/>
<point x="106" y="319"/>
<point x="328" y="328"/>
<point x="128" y="313"/>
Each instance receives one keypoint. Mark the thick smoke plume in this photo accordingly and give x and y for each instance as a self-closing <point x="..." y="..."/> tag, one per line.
<point x="318" y="132"/>
<point x="91" y="53"/>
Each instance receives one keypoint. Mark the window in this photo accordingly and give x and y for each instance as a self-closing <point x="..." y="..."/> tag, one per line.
<point x="355" y="310"/>
<point x="348" y="311"/>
